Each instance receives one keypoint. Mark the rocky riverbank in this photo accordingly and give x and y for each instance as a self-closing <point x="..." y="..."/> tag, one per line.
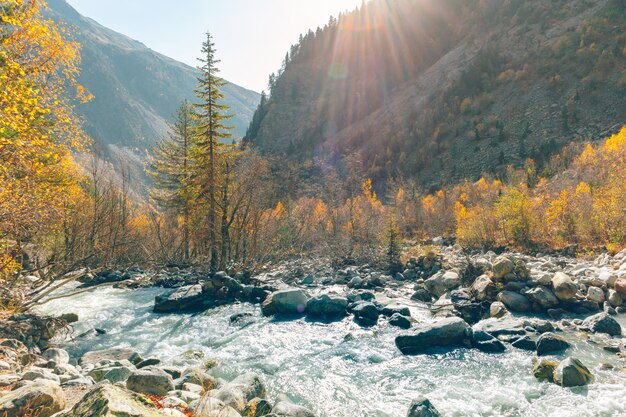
<point x="551" y="307"/>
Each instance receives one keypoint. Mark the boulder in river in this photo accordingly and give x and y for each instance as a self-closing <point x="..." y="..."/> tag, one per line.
<point x="442" y="333"/>
<point x="572" y="373"/>
<point x="497" y="309"/>
<point x="366" y="313"/>
<point x="550" y="343"/>
<point x="543" y="369"/>
<point x="501" y="327"/>
<point x="41" y="398"/>
<point x="603" y="323"/>
<point x="564" y="287"/>
<point x="327" y="307"/>
<point x="400" y="321"/>
<point x="189" y="298"/>
<point x="514" y="301"/>
<point x="153" y="381"/>
<point x="486" y="342"/>
<point x="59" y="356"/>
<point x="442" y="282"/>
<point x="106" y="400"/>
<point x="285" y="302"/>
<point x="422" y="407"/>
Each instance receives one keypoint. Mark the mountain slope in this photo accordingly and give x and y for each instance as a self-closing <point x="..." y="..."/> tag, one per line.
<point x="136" y="89"/>
<point x="441" y="90"/>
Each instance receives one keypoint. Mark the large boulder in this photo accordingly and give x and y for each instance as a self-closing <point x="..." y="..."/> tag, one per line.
<point x="445" y="332"/>
<point x="564" y="287"/>
<point x="106" y="400"/>
<point x="41" y="398"/>
<point x="285" y="302"/>
<point x="502" y="266"/>
<point x="596" y="295"/>
<point x="153" y="381"/>
<point x="484" y="289"/>
<point x="285" y="408"/>
<point x="542" y="296"/>
<point x="115" y="354"/>
<point x="550" y="343"/>
<point x="327" y="307"/>
<point x="442" y="282"/>
<point x="572" y="373"/>
<point x="514" y="301"/>
<point x="366" y="313"/>
<point x="422" y="407"/>
<point x="184" y="299"/>
<point x="602" y="323"/>
<point x="497" y="310"/>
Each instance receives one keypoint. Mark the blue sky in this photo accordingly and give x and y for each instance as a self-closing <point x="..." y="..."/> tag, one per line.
<point x="251" y="36"/>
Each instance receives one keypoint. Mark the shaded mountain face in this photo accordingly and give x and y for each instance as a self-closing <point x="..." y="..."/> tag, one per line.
<point x="441" y="90"/>
<point x="136" y="89"/>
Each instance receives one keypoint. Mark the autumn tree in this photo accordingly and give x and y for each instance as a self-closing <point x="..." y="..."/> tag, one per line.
<point x="209" y="131"/>
<point x="38" y="131"/>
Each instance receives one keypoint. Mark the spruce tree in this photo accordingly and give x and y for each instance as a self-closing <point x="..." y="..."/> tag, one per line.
<point x="170" y="167"/>
<point x="209" y="133"/>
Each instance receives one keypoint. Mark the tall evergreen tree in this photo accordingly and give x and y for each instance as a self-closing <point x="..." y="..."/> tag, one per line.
<point x="209" y="132"/>
<point x="171" y="166"/>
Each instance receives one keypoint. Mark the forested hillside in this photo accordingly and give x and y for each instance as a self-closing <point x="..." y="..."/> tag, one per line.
<point x="136" y="90"/>
<point x="441" y="91"/>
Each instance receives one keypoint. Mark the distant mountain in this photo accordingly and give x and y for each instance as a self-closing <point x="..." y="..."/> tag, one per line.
<point x="441" y="90"/>
<point x="136" y="89"/>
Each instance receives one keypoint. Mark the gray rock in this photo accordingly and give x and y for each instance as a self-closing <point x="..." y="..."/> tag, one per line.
<point x="445" y="332"/>
<point x="366" y="314"/>
<point x="497" y="309"/>
<point x="550" y="343"/>
<point x="564" y="287"/>
<point x="286" y="302"/>
<point x="35" y="373"/>
<point x="502" y="266"/>
<point x="501" y="327"/>
<point x="391" y="309"/>
<point x="422" y="407"/>
<point x="525" y="343"/>
<point x="542" y="296"/>
<point x="239" y="391"/>
<point x="184" y="299"/>
<point x="486" y="342"/>
<point x="110" y="354"/>
<point x="41" y="398"/>
<point x="59" y="356"/>
<point x="603" y="323"/>
<point x="514" y="301"/>
<point x="107" y="400"/>
<point x="327" y="307"/>
<point x="615" y="299"/>
<point x="572" y="373"/>
<point x="422" y="294"/>
<point x="442" y="282"/>
<point x="152" y="381"/>
<point x="400" y="321"/>
<point x="483" y="288"/>
<point x="595" y="294"/>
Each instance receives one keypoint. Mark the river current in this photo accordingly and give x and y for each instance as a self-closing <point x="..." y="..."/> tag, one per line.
<point x="318" y="367"/>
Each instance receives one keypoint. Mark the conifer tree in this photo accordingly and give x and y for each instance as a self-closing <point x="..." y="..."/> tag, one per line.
<point x="171" y="165"/>
<point x="210" y="130"/>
